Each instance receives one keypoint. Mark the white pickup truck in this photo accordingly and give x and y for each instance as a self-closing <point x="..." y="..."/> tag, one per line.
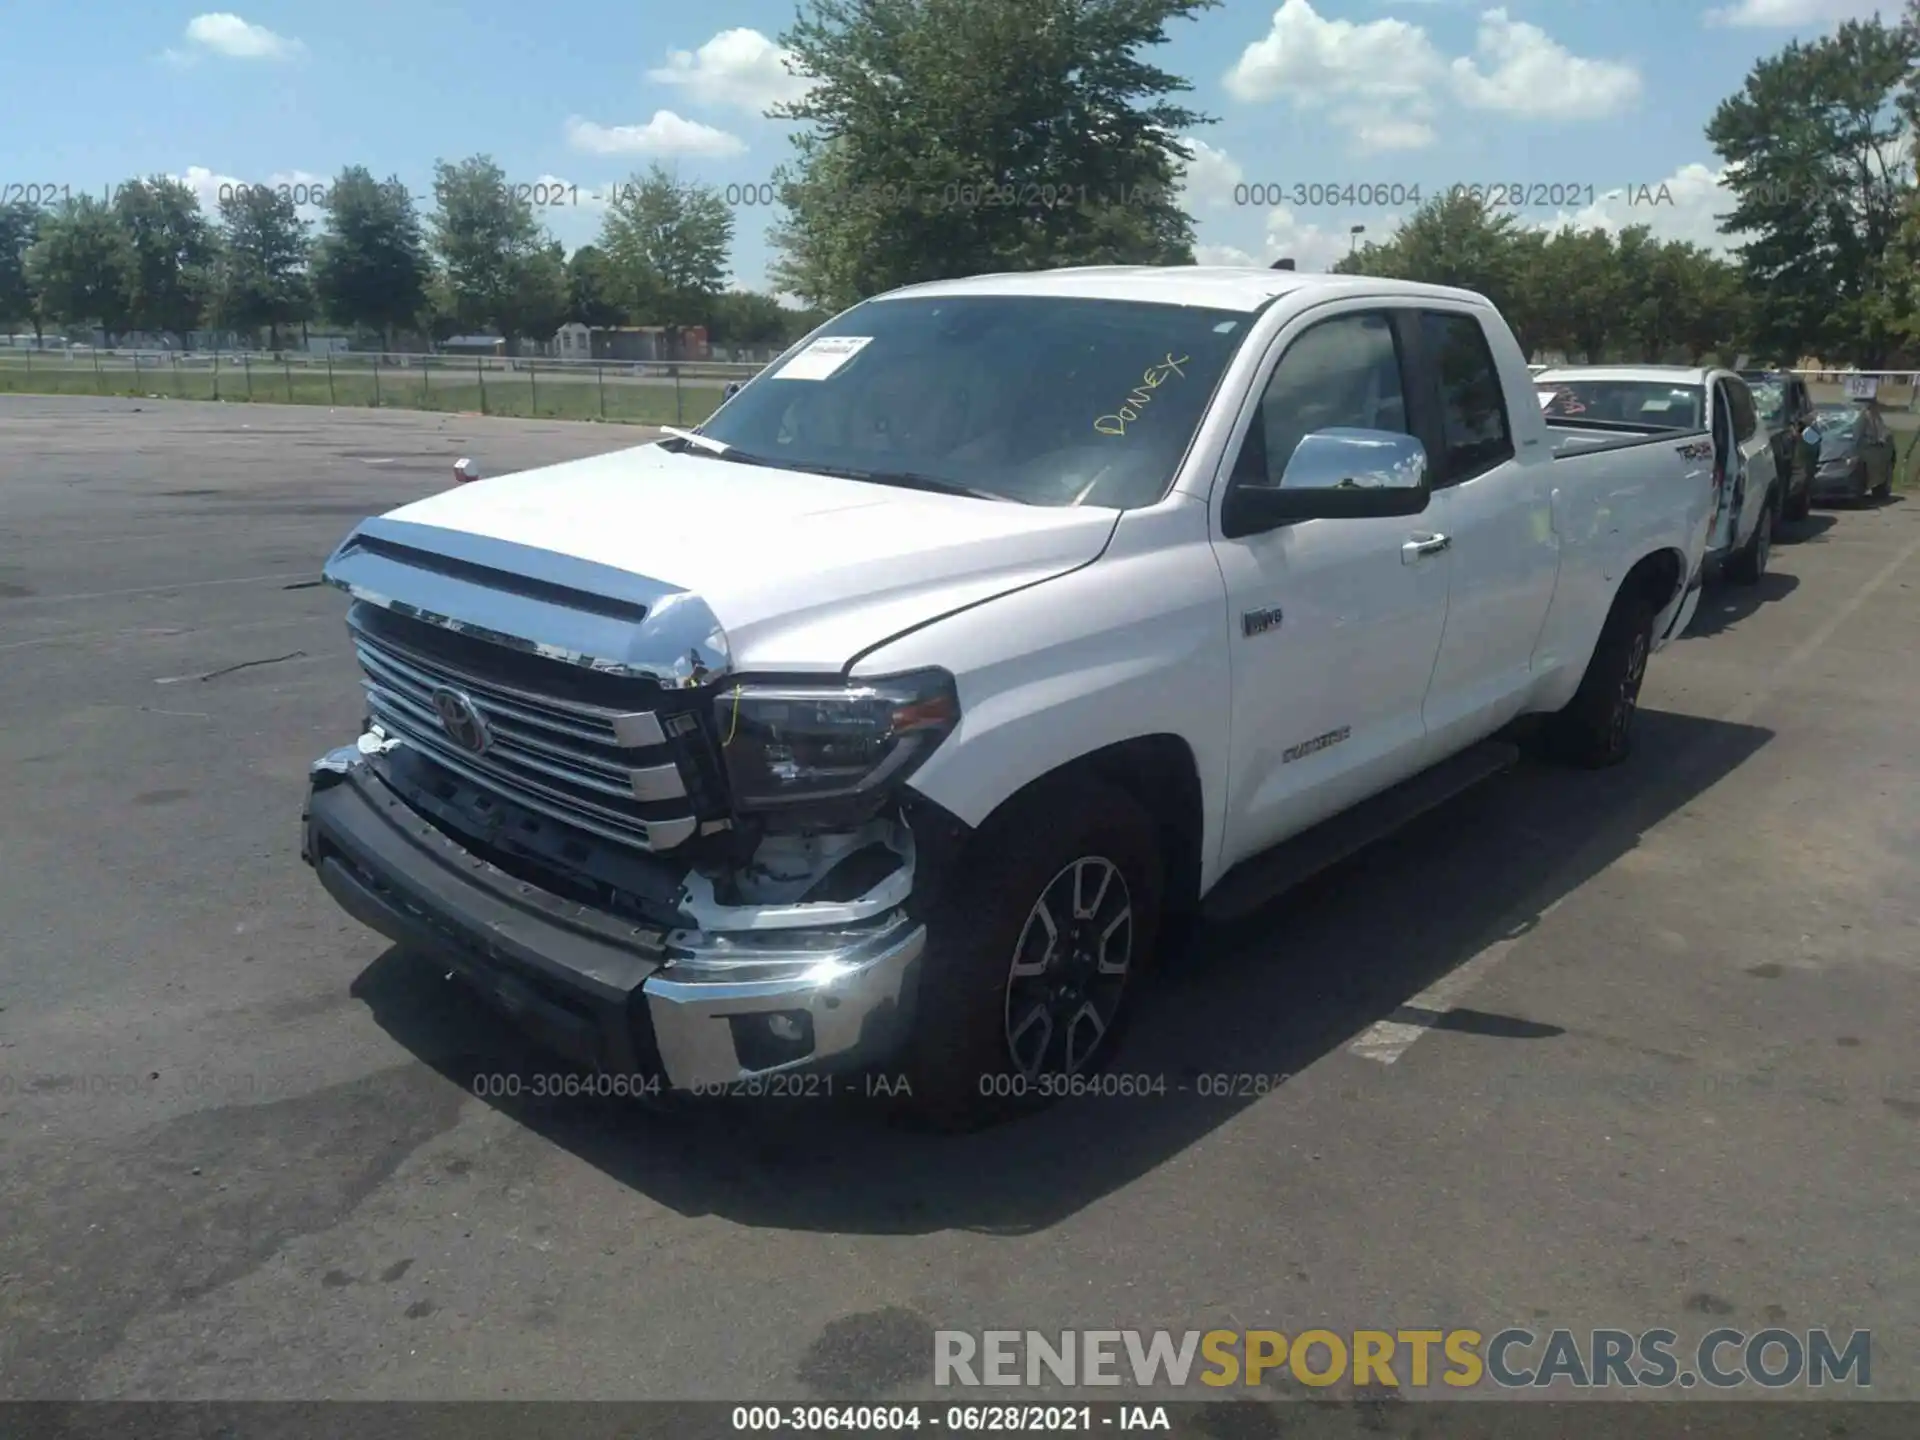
<point x="1751" y="494"/>
<point x="890" y="721"/>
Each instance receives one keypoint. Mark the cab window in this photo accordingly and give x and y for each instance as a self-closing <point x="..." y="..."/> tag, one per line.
<point x="1342" y="372"/>
<point x="1474" y="430"/>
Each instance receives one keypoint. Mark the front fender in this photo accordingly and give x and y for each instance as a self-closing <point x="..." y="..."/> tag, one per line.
<point x="1130" y="646"/>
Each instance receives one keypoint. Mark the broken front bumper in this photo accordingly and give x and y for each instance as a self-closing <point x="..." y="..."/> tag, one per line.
<point x="699" y="1009"/>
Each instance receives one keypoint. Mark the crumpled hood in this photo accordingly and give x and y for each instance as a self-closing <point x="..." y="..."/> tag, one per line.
<point x="802" y="572"/>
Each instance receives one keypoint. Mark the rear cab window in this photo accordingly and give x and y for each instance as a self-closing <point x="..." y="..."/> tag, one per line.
<point x="1476" y="433"/>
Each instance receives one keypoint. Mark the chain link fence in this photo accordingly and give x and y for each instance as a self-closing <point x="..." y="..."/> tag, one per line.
<point x="635" y="392"/>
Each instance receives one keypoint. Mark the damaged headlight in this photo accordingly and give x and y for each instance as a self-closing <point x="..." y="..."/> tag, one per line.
<point x="800" y="744"/>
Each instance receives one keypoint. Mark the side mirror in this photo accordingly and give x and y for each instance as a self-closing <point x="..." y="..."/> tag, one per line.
<point x="1336" y="474"/>
<point x="733" y="389"/>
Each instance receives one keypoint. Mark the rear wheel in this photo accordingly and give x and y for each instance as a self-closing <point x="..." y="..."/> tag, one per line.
<point x="1596" y="728"/>
<point x="1750" y="563"/>
<point x="1034" y="955"/>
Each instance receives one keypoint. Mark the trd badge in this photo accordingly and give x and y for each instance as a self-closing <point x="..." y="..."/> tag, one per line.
<point x="1259" y="622"/>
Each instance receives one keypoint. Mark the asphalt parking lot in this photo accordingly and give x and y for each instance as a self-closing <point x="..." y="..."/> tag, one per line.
<point x="1625" y="1049"/>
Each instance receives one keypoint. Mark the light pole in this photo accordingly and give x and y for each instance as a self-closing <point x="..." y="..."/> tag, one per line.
<point x="1353" y="237"/>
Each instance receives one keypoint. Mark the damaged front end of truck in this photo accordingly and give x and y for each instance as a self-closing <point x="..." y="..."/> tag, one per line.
<point x="566" y="793"/>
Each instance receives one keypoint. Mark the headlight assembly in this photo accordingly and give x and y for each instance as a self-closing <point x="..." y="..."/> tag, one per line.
<point x="790" y="745"/>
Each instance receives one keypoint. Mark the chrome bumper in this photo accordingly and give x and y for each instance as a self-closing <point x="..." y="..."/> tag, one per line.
<point x="703" y="1011"/>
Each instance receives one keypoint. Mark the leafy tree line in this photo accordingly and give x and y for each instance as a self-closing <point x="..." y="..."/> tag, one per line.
<point x="150" y="260"/>
<point x="950" y="137"/>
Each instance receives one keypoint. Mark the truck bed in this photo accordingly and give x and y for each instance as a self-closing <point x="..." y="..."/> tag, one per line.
<point x="1588" y="437"/>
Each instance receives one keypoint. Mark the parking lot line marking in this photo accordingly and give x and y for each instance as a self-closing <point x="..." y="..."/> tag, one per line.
<point x="1386" y="1040"/>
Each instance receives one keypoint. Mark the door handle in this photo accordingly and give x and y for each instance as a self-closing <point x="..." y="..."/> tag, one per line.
<point x="1422" y="546"/>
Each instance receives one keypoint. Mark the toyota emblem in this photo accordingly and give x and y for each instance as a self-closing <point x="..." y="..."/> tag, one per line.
<point x="462" y="720"/>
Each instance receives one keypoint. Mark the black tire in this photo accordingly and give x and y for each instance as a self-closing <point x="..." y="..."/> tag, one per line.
<point x="963" y="1069"/>
<point x="1750" y="563"/>
<point x="1595" y="729"/>
<point x="1801" y="505"/>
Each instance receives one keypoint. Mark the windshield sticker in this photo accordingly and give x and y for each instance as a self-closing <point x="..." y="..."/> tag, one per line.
<point x="824" y="356"/>
<point x="1150" y="380"/>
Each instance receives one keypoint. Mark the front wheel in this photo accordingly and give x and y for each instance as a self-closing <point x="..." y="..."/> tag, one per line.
<point x="1596" y="728"/>
<point x="1034" y="954"/>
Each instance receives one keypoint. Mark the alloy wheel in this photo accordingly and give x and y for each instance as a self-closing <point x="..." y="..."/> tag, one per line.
<point x="1069" y="968"/>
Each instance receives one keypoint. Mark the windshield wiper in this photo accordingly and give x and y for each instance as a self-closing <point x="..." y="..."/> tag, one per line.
<point x="909" y="480"/>
<point x="718" y="449"/>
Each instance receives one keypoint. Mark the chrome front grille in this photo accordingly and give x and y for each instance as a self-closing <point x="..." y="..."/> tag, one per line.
<point x="610" y="772"/>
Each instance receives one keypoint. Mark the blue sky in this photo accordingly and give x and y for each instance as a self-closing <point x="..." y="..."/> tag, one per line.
<point x="1585" y="98"/>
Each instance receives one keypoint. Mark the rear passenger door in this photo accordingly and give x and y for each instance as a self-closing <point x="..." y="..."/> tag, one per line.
<point x="1496" y="511"/>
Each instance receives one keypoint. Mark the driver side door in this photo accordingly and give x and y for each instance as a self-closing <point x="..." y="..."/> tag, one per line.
<point x="1334" y="623"/>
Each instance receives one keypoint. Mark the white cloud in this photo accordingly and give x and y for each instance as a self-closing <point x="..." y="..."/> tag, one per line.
<point x="1530" y="73"/>
<point x="665" y="134"/>
<point x="1381" y="78"/>
<point x="1312" y="248"/>
<point x="303" y="187"/>
<point x="1793" y="14"/>
<point x="221" y="33"/>
<point x="738" y="68"/>
<point x="1316" y="247"/>
<point x="1687" y="205"/>
<point x="1209" y="178"/>
<point x="1222" y="255"/>
<point x="1380" y="130"/>
<point x="1312" y="59"/>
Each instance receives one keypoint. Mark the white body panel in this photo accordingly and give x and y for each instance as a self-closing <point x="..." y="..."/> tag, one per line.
<point x="802" y="571"/>
<point x="1072" y="629"/>
<point x="1754" y="472"/>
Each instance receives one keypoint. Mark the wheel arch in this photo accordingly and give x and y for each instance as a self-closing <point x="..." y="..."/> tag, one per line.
<point x="1160" y="773"/>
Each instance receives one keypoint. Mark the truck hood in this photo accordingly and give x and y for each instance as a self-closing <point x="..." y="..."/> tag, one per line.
<point x="802" y="572"/>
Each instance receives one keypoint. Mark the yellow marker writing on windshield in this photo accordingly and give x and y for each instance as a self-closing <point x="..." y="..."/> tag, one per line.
<point x="1151" y="380"/>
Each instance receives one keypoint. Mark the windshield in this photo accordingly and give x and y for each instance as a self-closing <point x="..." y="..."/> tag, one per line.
<point x="1770" y="399"/>
<point x="1656" y="403"/>
<point x="1040" y="399"/>
<point x="1837" y="422"/>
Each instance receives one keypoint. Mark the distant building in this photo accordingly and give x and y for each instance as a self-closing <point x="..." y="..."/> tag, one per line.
<point x="575" y="341"/>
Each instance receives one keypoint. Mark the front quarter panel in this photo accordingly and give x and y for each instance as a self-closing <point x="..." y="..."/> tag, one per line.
<point x="1132" y="645"/>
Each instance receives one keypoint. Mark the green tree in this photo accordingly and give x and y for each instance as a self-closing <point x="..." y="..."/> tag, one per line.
<point x="1454" y="239"/>
<point x="19" y="225"/>
<point x="746" y="317"/>
<point x="370" y="266"/>
<point x="592" y="298"/>
<point x="539" y="302"/>
<point x="666" y="244"/>
<point x="261" y="277"/>
<point x="498" y="263"/>
<point x="169" y="254"/>
<point x="1581" y="284"/>
<point x="1819" y="182"/>
<point x="79" y="264"/>
<point x="949" y="137"/>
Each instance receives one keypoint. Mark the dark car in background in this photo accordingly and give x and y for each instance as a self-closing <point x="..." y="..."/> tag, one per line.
<point x="1786" y="407"/>
<point x="1856" y="453"/>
